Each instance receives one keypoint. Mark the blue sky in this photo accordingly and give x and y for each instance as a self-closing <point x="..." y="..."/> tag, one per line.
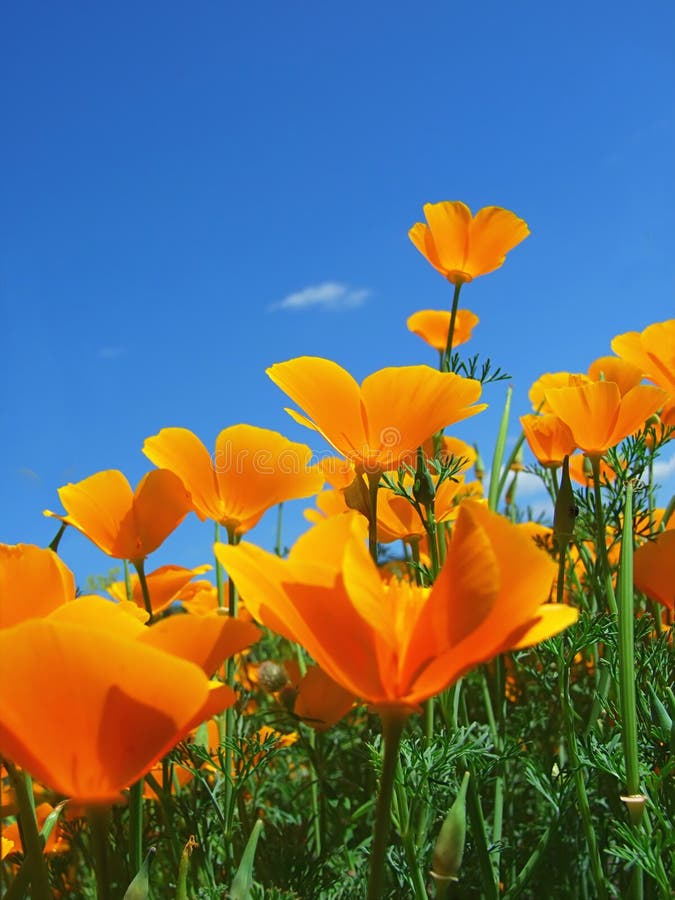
<point x="173" y="174"/>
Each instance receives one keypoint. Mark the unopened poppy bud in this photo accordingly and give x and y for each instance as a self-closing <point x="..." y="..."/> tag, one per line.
<point x="424" y="489"/>
<point x="566" y="510"/>
<point x="653" y="421"/>
<point x="272" y="676"/>
<point x="588" y="467"/>
<point x="181" y="887"/>
<point x="139" y="889"/>
<point x="518" y="465"/>
<point x="479" y="465"/>
<point x="449" y="849"/>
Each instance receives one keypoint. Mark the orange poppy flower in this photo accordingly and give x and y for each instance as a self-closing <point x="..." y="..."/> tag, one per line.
<point x="382" y="422"/>
<point x="654" y="568"/>
<point x="164" y="586"/>
<point x="462" y="246"/>
<point x="116" y="707"/>
<point x="251" y="470"/>
<point x="320" y="701"/>
<point x="581" y="471"/>
<point x="652" y="351"/>
<point x="537" y="392"/>
<point x="432" y="325"/>
<point x="610" y="368"/>
<point x="395" y="644"/>
<point x="598" y="416"/>
<point x="548" y="438"/>
<point x="123" y="523"/>
<point x="397" y="518"/>
<point x="33" y="582"/>
<point x="451" y="447"/>
<point x="206" y="640"/>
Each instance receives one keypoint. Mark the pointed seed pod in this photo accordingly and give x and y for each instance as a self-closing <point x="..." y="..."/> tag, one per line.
<point x="449" y="849"/>
<point x="139" y="889"/>
<point x="566" y="510"/>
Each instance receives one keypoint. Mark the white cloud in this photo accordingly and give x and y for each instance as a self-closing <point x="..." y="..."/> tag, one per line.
<point x="329" y="295"/>
<point x="664" y="468"/>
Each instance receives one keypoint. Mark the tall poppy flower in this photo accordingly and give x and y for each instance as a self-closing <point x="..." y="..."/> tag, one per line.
<point x="205" y="640"/>
<point x="432" y="326"/>
<point x="33" y="582"/>
<point x="548" y="438"/>
<point x="598" y="416"/>
<point x="251" y="470"/>
<point x="652" y="351"/>
<point x="114" y="709"/>
<point x="383" y="421"/>
<point x="123" y="523"/>
<point x="395" y="644"/>
<point x="461" y="246"/>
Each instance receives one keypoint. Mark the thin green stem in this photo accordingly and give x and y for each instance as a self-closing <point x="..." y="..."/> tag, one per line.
<point x="220" y="582"/>
<point x="135" y="826"/>
<point x="447" y="355"/>
<point x="54" y="545"/>
<point x="577" y="773"/>
<point x="278" y="544"/>
<point x="393" y="723"/>
<point x="30" y="836"/>
<point x="626" y="614"/>
<point x="495" y="489"/>
<point x="139" y="565"/>
<point x="373" y="485"/>
<point x="601" y="539"/>
<point x="627" y="651"/>
<point x="128" y="587"/>
<point x="232" y="604"/>
<point x="99" y="824"/>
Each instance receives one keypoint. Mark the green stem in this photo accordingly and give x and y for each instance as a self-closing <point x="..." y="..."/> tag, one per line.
<point x="54" y="545"/>
<point x="577" y="772"/>
<point x="30" y="836"/>
<point x="278" y="545"/>
<point x="393" y="723"/>
<point x="232" y="604"/>
<point x="601" y="539"/>
<point x="139" y="565"/>
<point x="496" y="470"/>
<point x="99" y="823"/>
<point x="447" y="355"/>
<point x="373" y="485"/>
<point x="220" y="589"/>
<point x="135" y="827"/>
<point x="627" y="651"/>
<point x="128" y="588"/>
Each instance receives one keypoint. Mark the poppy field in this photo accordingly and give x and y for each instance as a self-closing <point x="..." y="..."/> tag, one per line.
<point x="434" y="692"/>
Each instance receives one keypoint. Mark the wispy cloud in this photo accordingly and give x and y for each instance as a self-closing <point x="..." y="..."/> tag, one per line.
<point x="110" y="352"/>
<point x="329" y="295"/>
<point x="664" y="468"/>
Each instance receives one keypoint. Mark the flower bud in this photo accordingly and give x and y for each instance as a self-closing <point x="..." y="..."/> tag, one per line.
<point x="449" y="849"/>
<point x="566" y="510"/>
<point x="139" y="889"/>
<point x="424" y="489"/>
